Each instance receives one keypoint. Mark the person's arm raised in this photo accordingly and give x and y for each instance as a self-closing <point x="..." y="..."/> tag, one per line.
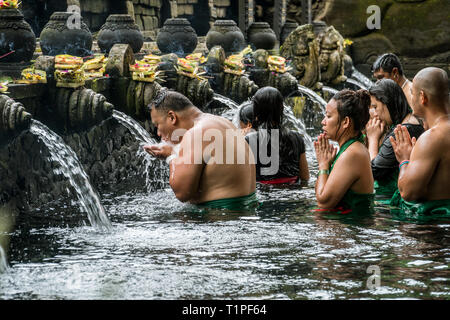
<point x="423" y="157"/>
<point x="187" y="168"/>
<point x="375" y="130"/>
<point x="330" y="189"/>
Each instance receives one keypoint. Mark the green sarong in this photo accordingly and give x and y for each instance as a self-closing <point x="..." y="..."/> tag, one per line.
<point x="358" y="202"/>
<point x="385" y="190"/>
<point x="239" y="203"/>
<point x="435" y="207"/>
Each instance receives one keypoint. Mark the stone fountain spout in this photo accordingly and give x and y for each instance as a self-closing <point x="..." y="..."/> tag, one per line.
<point x="13" y="118"/>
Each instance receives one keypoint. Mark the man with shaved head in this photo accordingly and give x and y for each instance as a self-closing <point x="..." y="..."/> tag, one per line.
<point x="424" y="180"/>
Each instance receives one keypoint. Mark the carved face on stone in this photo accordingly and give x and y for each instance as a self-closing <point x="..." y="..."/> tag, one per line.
<point x="302" y="48"/>
<point x="300" y="51"/>
<point x="332" y="40"/>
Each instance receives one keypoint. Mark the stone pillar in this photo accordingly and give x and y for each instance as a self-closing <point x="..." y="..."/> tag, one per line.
<point x="173" y="9"/>
<point x="246" y="14"/>
<point x="279" y="17"/>
<point x="305" y="12"/>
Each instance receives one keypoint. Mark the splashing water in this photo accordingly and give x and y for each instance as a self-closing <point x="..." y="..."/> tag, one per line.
<point x="329" y="90"/>
<point x="356" y="85"/>
<point x="296" y="124"/>
<point x="134" y="127"/>
<point x="156" y="172"/>
<point x="314" y="97"/>
<point x="72" y="169"/>
<point x="358" y="76"/>
<point x="225" y="101"/>
<point x="3" y="262"/>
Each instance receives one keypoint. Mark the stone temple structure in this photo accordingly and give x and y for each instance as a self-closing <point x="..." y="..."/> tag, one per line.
<point x="416" y="30"/>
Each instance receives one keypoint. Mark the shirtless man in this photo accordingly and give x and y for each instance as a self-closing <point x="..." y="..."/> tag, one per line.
<point x="199" y="172"/>
<point x="388" y="66"/>
<point x="425" y="163"/>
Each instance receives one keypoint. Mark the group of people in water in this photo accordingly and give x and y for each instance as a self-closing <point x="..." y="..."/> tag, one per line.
<point x="394" y="146"/>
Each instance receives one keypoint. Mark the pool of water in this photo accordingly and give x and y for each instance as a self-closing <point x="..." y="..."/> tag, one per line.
<point x="159" y="248"/>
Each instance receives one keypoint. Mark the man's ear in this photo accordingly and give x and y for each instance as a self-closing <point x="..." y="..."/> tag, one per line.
<point x="172" y="117"/>
<point x="423" y="97"/>
<point x="395" y="73"/>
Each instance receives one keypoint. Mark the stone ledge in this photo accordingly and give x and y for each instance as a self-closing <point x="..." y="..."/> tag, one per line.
<point x="24" y="91"/>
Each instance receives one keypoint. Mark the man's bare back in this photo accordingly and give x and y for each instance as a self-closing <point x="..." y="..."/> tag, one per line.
<point x="209" y="159"/>
<point x="224" y="174"/>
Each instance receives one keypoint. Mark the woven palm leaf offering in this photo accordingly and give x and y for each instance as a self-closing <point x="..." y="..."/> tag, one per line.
<point x="191" y="67"/>
<point x="4" y="87"/>
<point x="9" y="4"/>
<point x="277" y="64"/>
<point x="144" y="71"/>
<point x="152" y="59"/>
<point x="69" y="72"/>
<point x="235" y="64"/>
<point x="31" y="75"/>
<point x="95" y="68"/>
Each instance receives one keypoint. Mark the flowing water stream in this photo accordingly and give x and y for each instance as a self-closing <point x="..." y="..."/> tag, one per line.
<point x="69" y="166"/>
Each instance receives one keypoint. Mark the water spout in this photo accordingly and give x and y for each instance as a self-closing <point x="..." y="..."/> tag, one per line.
<point x="314" y="97"/>
<point x="3" y="262"/>
<point x="354" y="84"/>
<point x="330" y="91"/>
<point x="358" y="76"/>
<point x="293" y="123"/>
<point x="152" y="165"/>
<point x="8" y="214"/>
<point x="71" y="168"/>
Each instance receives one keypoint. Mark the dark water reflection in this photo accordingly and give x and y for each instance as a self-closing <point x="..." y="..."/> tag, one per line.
<point x="161" y="249"/>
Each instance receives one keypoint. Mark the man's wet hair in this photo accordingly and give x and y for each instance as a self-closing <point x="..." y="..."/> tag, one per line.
<point x="387" y="62"/>
<point x="168" y="100"/>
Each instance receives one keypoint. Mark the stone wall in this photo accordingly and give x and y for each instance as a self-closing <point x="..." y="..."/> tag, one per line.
<point x="416" y="30"/>
<point x="146" y="13"/>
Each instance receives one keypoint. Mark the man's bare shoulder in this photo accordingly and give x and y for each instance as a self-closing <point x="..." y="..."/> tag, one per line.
<point x="437" y="134"/>
<point x="435" y="140"/>
<point x="210" y="121"/>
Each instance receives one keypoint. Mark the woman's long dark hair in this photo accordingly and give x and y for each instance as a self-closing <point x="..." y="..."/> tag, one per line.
<point x="389" y="92"/>
<point x="246" y="113"/>
<point x="267" y="109"/>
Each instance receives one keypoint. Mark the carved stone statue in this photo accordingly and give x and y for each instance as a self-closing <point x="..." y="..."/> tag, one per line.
<point x="302" y="48"/>
<point x="332" y="55"/>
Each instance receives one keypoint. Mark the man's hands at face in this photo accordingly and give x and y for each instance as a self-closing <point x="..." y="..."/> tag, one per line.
<point x="160" y="151"/>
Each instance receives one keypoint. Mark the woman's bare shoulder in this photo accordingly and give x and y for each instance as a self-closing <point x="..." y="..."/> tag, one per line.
<point x="356" y="152"/>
